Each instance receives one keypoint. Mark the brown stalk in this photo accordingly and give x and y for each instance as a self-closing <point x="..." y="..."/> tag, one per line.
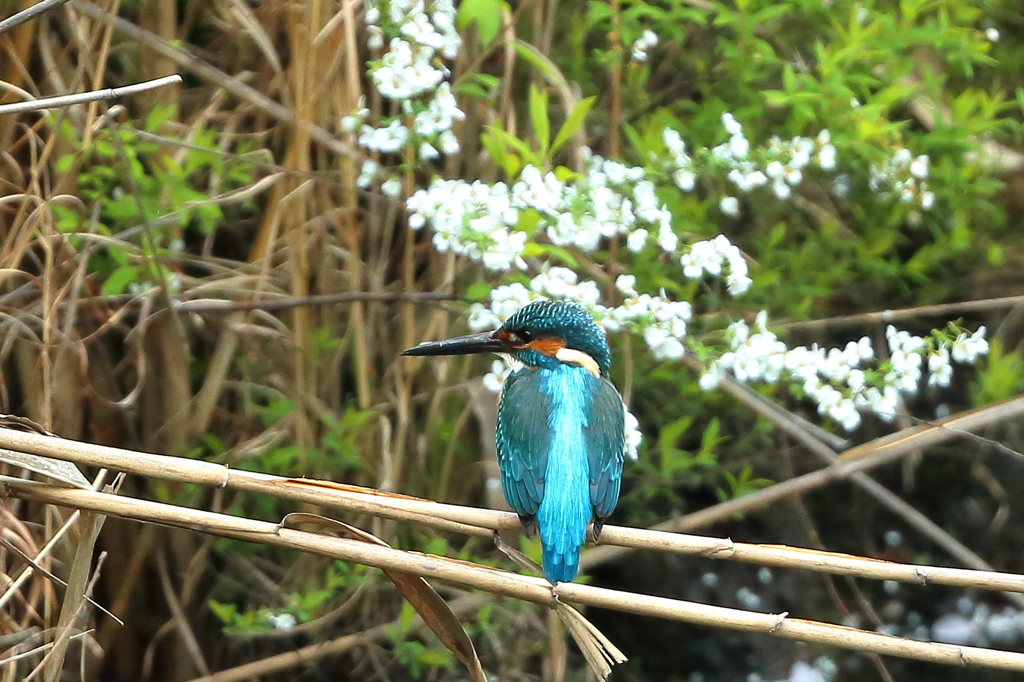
<point x="889" y="316"/>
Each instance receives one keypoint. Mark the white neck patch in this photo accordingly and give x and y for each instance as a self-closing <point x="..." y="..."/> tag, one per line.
<point x="571" y="356"/>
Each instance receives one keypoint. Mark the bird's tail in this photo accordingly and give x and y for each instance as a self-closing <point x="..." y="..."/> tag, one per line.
<point x="560" y="566"/>
<point x="563" y="517"/>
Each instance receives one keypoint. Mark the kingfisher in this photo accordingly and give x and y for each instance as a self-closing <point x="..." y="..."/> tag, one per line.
<point x="561" y="425"/>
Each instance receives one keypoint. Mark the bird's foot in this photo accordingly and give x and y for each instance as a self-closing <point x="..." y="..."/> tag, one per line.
<point x="594" y="531"/>
<point x="529" y="525"/>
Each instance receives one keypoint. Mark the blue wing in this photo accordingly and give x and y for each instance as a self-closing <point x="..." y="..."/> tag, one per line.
<point x="604" y="433"/>
<point x="524" y="439"/>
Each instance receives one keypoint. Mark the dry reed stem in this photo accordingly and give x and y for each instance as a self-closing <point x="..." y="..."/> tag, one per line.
<point x="483" y="521"/>
<point x="889" y="316"/>
<point x="506" y="584"/>
<point x="91" y="96"/>
<point x="19" y="18"/>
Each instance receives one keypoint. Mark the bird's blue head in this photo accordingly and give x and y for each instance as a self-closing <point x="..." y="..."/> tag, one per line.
<point x="541" y="334"/>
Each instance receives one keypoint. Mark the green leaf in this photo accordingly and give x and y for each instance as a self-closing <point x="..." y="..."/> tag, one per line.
<point x="511" y="141"/>
<point x="224" y="612"/>
<point x="534" y="57"/>
<point x="573" y="122"/>
<point x="486" y="14"/>
<point x="478" y="291"/>
<point x="119" y="280"/>
<point x="158" y="116"/>
<point x="539" y="118"/>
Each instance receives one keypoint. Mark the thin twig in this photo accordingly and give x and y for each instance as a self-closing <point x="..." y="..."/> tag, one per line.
<point x="939" y="310"/>
<point x="211" y="305"/>
<point x="21" y="17"/>
<point x="91" y="96"/>
<point x="41" y="649"/>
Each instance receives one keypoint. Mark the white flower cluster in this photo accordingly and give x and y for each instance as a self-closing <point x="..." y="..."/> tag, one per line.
<point x="477" y="220"/>
<point x="712" y="257"/>
<point x="422" y="34"/>
<point x="609" y="199"/>
<point x="645" y="42"/>
<point x="781" y="163"/>
<point x="472" y="220"/>
<point x="681" y="167"/>
<point x="836" y="379"/>
<point x="906" y="177"/>
<point x="424" y="31"/>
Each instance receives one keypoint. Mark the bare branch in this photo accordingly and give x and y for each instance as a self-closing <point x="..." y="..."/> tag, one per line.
<point x="938" y="310"/>
<point x="32" y="12"/>
<point x="91" y="96"/>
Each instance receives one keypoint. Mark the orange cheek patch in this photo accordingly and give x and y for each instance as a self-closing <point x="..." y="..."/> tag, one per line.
<point x="547" y="346"/>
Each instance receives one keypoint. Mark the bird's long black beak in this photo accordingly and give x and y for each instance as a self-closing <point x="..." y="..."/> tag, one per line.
<point x="462" y="345"/>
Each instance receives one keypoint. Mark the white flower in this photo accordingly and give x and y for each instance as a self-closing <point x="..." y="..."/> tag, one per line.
<point x="391" y="187"/>
<point x="428" y="152"/>
<point x="667" y="239"/>
<point x="646" y="41"/>
<point x="282" y="621"/>
<point x="709" y="380"/>
<point x="673" y="141"/>
<point x="685" y="179"/>
<point x="731" y="125"/>
<point x="992" y="34"/>
<point x="739" y="146"/>
<point x="350" y="123"/>
<point x="626" y="284"/>
<point x="919" y="167"/>
<point x="781" y="190"/>
<point x="367" y="173"/>
<point x="449" y="143"/>
<point x="637" y="240"/>
<point x="634" y="437"/>
<point x="495" y="379"/>
<point x="967" y="349"/>
<point x="827" y="157"/>
<point x="730" y="206"/>
<point x="940" y="371"/>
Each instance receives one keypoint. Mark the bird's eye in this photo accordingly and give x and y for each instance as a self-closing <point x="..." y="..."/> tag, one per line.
<point x="520" y="337"/>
